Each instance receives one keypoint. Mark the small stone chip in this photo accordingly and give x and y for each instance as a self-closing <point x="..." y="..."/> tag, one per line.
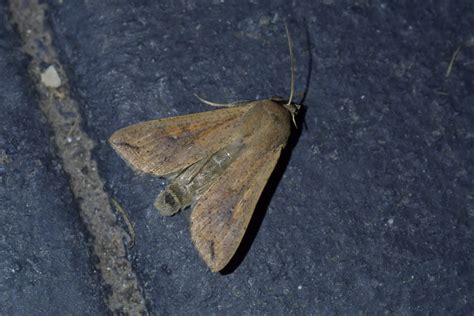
<point x="50" y="77"/>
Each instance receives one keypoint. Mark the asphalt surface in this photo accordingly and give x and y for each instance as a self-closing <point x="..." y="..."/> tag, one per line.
<point x="369" y="211"/>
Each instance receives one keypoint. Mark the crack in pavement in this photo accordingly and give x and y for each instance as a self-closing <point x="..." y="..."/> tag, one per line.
<point x="74" y="147"/>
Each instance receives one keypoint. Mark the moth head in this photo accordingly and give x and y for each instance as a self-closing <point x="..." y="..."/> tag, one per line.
<point x="292" y="107"/>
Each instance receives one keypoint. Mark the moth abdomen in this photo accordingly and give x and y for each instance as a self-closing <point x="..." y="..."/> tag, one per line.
<point x="172" y="199"/>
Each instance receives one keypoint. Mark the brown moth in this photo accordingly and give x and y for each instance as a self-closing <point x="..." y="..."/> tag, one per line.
<point x="218" y="162"/>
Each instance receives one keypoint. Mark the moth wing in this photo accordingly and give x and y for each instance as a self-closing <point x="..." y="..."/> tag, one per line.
<point x="222" y="213"/>
<point x="165" y="146"/>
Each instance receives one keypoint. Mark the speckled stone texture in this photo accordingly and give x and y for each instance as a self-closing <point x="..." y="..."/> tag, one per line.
<point x="370" y="211"/>
<point x="45" y="267"/>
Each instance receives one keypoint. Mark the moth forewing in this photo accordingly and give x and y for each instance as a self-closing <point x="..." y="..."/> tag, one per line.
<point x="166" y="146"/>
<point x="222" y="213"/>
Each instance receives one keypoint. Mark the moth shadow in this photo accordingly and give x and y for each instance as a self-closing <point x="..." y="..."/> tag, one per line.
<point x="266" y="197"/>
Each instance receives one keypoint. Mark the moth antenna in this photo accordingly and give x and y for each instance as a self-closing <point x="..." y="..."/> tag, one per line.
<point x="220" y="104"/>
<point x="292" y="67"/>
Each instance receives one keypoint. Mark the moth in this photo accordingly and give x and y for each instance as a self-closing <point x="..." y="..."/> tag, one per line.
<point x="218" y="162"/>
